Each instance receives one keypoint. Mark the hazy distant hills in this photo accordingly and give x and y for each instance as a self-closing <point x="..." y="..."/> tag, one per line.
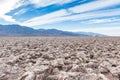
<point x="17" y="30"/>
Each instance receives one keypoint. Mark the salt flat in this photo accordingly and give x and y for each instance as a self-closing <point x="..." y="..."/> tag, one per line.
<point x="59" y="58"/>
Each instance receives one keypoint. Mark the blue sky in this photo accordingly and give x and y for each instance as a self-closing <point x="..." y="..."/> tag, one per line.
<point x="100" y="16"/>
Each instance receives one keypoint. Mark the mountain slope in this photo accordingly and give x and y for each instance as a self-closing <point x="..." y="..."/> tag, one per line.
<point x="55" y="32"/>
<point x="17" y="30"/>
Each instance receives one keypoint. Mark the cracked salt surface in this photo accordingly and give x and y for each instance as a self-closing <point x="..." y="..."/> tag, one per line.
<point x="60" y="58"/>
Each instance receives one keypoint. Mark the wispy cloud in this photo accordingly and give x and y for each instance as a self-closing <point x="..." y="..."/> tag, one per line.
<point x="63" y="15"/>
<point x="95" y="5"/>
<point x="21" y="11"/>
<point x="97" y="14"/>
<point x="43" y="3"/>
<point x="107" y="20"/>
<point x="49" y="18"/>
<point x="6" y="6"/>
<point x="7" y="18"/>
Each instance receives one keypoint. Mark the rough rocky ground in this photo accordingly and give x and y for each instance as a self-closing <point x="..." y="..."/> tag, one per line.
<point x="59" y="58"/>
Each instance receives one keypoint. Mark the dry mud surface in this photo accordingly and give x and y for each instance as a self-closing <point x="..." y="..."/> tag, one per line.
<point x="59" y="58"/>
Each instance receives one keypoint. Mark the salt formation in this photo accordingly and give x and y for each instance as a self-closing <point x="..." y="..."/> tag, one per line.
<point x="60" y="58"/>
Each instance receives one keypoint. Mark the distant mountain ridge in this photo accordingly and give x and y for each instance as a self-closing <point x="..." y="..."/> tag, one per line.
<point x="17" y="30"/>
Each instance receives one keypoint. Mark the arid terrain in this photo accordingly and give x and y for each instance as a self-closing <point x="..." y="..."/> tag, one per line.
<point x="59" y="58"/>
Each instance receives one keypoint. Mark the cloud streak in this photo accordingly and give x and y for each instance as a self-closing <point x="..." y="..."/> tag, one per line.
<point x="98" y="21"/>
<point x="63" y="15"/>
<point x="49" y="18"/>
<point x="95" y="5"/>
<point x="6" y="6"/>
<point x="43" y="3"/>
<point x="89" y="10"/>
<point x="21" y="11"/>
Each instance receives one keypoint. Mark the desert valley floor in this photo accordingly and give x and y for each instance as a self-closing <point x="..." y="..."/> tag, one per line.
<point x="59" y="58"/>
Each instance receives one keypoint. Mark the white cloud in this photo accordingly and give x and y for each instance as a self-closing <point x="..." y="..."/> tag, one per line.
<point x="95" y="5"/>
<point x="106" y="20"/>
<point x="7" y="18"/>
<point x="100" y="21"/>
<point x="63" y="15"/>
<point x="46" y="19"/>
<point x="21" y="11"/>
<point x="111" y="31"/>
<point x="6" y="6"/>
<point x="97" y="14"/>
<point x="43" y="3"/>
